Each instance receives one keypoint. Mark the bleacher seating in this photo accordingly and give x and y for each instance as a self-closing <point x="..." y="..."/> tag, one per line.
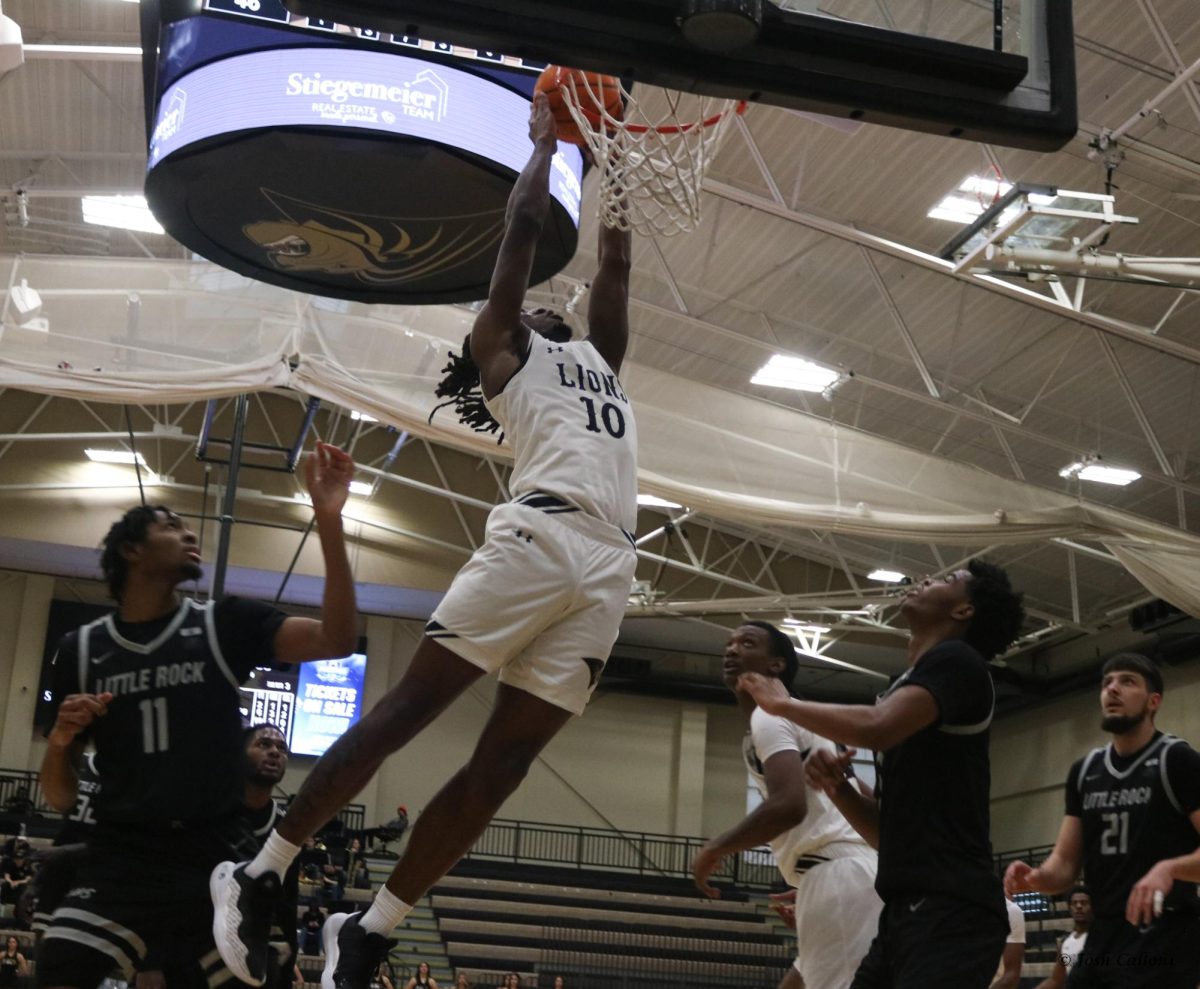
<point x="593" y="935"/>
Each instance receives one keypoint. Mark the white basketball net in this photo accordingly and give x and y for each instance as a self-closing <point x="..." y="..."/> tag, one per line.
<point x="650" y="169"/>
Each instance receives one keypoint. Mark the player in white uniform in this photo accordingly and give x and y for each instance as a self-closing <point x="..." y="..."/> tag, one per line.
<point x="539" y="603"/>
<point x="818" y="853"/>
<point x="1008" y="972"/>
<point x="1069" y="949"/>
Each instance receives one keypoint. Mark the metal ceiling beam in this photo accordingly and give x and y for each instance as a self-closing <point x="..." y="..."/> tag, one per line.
<point x="1114" y="327"/>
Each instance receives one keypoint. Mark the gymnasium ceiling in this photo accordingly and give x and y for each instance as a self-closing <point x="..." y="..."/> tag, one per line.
<point x="786" y="260"/>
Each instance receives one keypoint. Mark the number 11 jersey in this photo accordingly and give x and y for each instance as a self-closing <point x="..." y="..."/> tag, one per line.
<point x="572" y="430"/>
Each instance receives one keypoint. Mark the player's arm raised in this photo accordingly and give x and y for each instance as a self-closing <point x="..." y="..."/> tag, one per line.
<point x="1060" y="869"/>
<point x="784" y="808"/>
<point x="898" y="716"/>
<point x="608" y="300"/>
<point x="498" y="337"/>
<point x="60" y="764"/>
<point x="328" y="472"/>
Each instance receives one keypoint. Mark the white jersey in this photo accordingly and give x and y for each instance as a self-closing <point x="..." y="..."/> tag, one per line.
<point x="1071" y="948"/>
<point x="1016" y="931"/>
<point x="572" y="430"/>
<point x="823" y="823"/>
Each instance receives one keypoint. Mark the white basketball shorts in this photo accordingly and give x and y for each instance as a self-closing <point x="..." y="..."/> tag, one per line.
<point x="837" y="916"/>
<point x="541" y="600"/>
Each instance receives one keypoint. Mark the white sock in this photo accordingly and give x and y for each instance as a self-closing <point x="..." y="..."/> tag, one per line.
<point x="386" y="912"/>
<point x="276" y="855"/>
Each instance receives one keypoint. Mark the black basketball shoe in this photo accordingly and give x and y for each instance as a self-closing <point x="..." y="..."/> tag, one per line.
<point x="351" y="954"/>
<point x="242" y="911"/>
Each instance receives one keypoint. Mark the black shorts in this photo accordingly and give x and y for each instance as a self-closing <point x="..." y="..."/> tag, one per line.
<point x="139" y="893"/>
<point x="55" y="876"/>
<point x="1117" y="955"/>
<point x="930" y="941"/>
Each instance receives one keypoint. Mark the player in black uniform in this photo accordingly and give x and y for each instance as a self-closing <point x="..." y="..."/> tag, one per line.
<point x="944" y="922"/>
<point x="1133" y="813"/>
<point x="58" y="864"/>
<point x="266" y="761"/>
<point x="155" y="687"/>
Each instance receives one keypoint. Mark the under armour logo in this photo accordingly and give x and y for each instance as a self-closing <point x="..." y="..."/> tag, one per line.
<point x="527" y="536"/>
<point x="553" y="350"/>
<point x="595" y="668"/>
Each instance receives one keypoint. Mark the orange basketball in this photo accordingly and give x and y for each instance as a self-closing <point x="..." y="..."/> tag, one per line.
<point x="593" y="91"/>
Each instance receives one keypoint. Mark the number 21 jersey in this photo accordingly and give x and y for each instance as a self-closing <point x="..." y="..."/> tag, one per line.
<point x="1134" y="813"/>
<point x="572" y="430"/>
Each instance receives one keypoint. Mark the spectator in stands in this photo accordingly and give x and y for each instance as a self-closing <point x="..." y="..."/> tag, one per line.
<point x="311" y="924"/>
<point x="422" y="979"/>
<point x="558" y="982"/>
<point x="1080" y="905"/>
<point x="382" y="979"/>
<point x="15" y="875"/>
<point x="462" y="982"/>
<point x="1008" y="975"/>
<point x="358" y="876"/>
<point x="13" y="966"/>
<point x="393" y="830"/>
<point x="20" y="803"/>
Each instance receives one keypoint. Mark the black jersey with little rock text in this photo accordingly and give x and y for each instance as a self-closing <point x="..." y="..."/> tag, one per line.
<point x="170" y="747"/>
<point x="934" y="787"/>
<point x="1134" y="812"/>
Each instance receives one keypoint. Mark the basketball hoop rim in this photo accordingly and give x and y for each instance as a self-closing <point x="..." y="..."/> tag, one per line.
<point x="739" y="108"/>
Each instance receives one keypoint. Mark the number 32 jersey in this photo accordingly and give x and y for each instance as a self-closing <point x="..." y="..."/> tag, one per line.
<point x="1134" y="811"/>
<point x="572" y="430"/>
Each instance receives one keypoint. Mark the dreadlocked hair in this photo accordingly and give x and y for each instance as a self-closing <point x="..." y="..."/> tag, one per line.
<point x="461" y="388"/>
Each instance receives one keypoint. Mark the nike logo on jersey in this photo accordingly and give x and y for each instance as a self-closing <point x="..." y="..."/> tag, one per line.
<point x="916" y="905"/>
<point x="100" y="659"/>
<point x="191" y="630"/>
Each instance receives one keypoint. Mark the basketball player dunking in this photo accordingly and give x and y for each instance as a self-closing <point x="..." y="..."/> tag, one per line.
<point x="155" y="687"/>
<point x="1133" y="813"/>
<point x="540" y="602"/>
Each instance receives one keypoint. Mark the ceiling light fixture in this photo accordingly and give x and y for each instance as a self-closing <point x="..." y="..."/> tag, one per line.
<point x="795" y="373"/>
<point x="654" y="501"/>
<point x="361" y="488"/>
<point x="1091" y="469"/>
<point x="812" y="628"/>
<point x="886" y="576"/>
<point x="362" y="416"/>
<point x="115" y="457"/>
<point x="124" y="212"/>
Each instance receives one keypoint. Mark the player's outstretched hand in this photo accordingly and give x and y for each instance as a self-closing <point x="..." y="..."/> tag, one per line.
<point x="1146" y="898"/>
<point x="826" y="771"/>
<point x="1017" y="878"/>
<point x="328" y="472"/>
<point x="75" y="714"/>
<point x="541" y="122"/>
<point x="769" y="693"/>
<point x="784" y="904"/>
<point x="706" y="862"/>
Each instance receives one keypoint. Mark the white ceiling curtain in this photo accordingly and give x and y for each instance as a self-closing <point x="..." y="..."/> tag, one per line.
<point x="163" y="331"/>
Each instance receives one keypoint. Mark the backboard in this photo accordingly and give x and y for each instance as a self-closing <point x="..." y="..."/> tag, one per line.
<point x="1001" y="71"/>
